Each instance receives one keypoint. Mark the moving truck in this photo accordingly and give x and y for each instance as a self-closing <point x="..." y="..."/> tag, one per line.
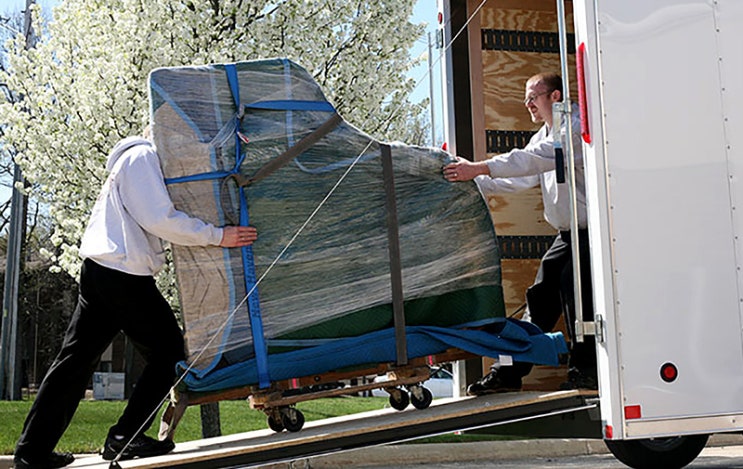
<point x="659" y="84"/>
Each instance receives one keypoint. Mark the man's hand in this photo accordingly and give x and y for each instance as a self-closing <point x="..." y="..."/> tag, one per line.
<point x="464" y="170"/>
<point x="238" y="236"/>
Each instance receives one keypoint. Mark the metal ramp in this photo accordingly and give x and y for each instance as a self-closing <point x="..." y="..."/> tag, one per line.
<point x="359" y="430"/>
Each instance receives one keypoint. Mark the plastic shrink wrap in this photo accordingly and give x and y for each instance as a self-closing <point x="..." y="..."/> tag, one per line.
<point x="216" y="127"/>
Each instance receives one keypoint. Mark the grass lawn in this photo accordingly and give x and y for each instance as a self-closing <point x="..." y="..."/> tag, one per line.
<point x="93" y="418"/>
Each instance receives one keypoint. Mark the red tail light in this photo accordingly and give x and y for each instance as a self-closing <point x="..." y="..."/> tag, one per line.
<point x="580" y="66"/>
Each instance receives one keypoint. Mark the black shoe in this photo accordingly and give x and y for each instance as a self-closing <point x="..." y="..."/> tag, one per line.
<point x="141" y="447"/>
<point x="52" y="461"/>
<point x="578" y="379"/>
<point x="494" y="382"/>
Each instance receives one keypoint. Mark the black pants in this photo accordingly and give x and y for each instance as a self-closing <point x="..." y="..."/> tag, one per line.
<point x="552" y="294"/>
<point x="110" y="301"/>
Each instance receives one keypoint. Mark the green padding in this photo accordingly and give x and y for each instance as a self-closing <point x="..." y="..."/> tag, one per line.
<point x="459" y="306"/>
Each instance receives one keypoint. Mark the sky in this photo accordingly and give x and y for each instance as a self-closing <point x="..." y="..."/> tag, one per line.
<point x="13" y="5"/>
<point x="425" y="11"/>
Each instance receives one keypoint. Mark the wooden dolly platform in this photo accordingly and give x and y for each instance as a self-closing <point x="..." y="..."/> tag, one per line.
<point x="360" y="430"/>
<point x="278" y="401"/>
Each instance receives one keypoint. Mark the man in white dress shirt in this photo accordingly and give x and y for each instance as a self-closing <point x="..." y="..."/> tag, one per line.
<point x="552" y="291"/>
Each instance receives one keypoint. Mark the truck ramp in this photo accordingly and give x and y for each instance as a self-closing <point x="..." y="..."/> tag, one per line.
<point x="359" y="430"/>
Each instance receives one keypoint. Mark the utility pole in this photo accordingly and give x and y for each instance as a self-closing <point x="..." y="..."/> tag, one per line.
<point x="10" y="376"/>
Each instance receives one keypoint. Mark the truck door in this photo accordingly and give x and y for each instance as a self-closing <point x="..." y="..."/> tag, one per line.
<point x="663" y="97"/>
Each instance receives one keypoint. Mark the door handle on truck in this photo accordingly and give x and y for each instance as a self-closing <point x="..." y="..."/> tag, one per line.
<point x="559" y="164"/>
<point x="558" y="111"/>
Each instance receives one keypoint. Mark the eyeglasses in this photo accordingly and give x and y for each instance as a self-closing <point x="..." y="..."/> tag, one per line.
<point x="531" y="98"/>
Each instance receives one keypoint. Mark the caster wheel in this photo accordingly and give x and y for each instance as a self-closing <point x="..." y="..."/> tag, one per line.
<point x="420" y="397"/>
<point x="275" y="424"/>
<point x="292" y="419"/>
<point x="399" y="399"/>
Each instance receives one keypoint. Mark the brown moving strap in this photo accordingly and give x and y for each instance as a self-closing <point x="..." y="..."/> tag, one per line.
<point x="289" y="154"/>
<point x="276" y="163"/>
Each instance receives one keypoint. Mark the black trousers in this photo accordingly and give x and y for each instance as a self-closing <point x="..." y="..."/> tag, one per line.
<point x="552" y="295"/>
<point x="109" y="301"/>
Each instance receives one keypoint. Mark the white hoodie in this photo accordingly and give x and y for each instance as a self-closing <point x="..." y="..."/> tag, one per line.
<point x="134" y="213"/>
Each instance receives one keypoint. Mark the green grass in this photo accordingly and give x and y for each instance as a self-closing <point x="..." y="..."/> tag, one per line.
<point x="90" y="425"/>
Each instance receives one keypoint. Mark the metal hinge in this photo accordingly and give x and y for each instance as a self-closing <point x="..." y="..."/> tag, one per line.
<point x="595" y="328"/>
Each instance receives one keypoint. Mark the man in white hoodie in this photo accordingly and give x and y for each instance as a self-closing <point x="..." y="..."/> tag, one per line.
<point x="122" y="251"/>
<point x="552" y="291"/>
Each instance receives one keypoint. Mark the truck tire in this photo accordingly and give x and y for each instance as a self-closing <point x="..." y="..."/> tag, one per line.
<point x="669" y="453"/>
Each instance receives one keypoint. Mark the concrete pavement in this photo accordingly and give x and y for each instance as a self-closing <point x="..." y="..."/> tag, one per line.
<point x="411" y="454"/>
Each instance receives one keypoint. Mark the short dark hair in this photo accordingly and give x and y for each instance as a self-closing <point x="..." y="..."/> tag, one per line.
<point x="551" y="81"/>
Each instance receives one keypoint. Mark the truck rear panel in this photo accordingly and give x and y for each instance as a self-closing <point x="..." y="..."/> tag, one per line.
<point x="664" y="92"/>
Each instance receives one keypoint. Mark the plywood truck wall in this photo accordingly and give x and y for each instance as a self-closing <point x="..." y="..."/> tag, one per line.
<point x="511" y="40"/>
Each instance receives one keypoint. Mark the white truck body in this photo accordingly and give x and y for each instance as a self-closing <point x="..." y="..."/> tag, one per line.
<point x="664" y="95"/>
<point x="664" y="175"/>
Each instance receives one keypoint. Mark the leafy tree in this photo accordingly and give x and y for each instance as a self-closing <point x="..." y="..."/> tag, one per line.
<point x="84" y="85"/>
<point x="43" y="296"/>
<point x="11" y="23"/>
<point x="38" y="224"/>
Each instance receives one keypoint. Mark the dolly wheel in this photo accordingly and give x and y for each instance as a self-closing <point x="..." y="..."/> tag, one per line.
<point x="292" y="419"/>
<point x="275" y="424"/>
<point x="399" y="399"/>
<point x="420" y="396"/>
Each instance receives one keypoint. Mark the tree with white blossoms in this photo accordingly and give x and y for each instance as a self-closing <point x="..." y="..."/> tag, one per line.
<point x="84" y="85"/>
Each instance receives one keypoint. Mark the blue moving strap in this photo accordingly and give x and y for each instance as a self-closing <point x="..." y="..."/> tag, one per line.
<point x="254" y="306"/>
<point x="292" y="105"/>
<point x="199" y="177"/>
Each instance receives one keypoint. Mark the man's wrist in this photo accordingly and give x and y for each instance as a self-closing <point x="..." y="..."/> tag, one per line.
<point x="483" y="169"/>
